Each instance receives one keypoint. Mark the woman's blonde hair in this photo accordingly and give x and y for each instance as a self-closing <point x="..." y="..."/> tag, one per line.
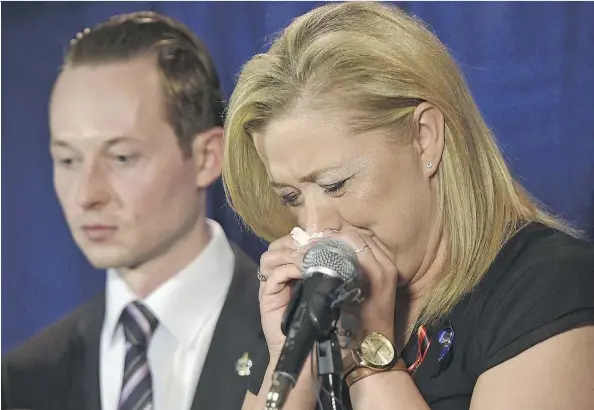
<point x="376" y="63"/>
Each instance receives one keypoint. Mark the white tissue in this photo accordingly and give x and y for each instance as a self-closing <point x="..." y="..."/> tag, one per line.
<point x="302" y="237"/>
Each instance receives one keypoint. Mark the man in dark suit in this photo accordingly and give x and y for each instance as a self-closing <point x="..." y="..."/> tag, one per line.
<point x="136" y="138"/>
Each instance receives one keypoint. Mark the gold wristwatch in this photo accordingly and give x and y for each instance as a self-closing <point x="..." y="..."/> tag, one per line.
<point x="374" y="354"/>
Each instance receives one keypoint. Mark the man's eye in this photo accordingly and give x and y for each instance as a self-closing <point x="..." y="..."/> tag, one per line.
<point x="66" y="162"/>
<point x="124" y="159"/>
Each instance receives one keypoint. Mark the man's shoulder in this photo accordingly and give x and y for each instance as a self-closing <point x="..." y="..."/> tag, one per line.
<point x="54" y="341"/>
<point x="49" y="363"/>
<point x="244" y="264"/>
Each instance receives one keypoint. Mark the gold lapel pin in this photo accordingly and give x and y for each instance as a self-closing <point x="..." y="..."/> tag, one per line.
<point x="243" y="365"/>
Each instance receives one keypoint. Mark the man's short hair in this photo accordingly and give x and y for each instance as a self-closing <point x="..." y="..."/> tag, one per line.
<point x="194" y="101"/>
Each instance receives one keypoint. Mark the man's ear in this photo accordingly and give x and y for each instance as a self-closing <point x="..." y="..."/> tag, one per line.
<point x="429" y="126"/>
<point x="207" y="150"/>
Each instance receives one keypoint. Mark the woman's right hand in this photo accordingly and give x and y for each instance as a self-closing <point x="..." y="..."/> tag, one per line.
<point x="281" y="265"/>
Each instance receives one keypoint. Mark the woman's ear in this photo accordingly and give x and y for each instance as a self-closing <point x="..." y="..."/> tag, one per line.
<point x="429" y="126"/>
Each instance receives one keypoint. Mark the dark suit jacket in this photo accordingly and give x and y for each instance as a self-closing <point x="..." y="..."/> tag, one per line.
<point x="58" y="369"/>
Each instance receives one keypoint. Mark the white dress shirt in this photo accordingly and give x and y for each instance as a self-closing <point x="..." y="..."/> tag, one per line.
<point x="187" y="307"/>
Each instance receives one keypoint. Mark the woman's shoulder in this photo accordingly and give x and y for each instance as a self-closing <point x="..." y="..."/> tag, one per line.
<point x="541" y="284"/>
<point x="538" y="253"/>
<point x="538" y="243"/>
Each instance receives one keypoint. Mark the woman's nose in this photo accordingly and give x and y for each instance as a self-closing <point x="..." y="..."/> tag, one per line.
<point x="320" y="216"/>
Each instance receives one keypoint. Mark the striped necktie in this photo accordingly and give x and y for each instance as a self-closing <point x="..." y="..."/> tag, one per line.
<point x="137" y="390"/>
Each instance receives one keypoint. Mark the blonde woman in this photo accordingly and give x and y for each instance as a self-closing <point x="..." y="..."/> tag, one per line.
<point x="358" y="124"/>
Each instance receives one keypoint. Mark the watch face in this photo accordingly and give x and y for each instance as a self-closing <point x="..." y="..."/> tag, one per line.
<point x="377" y="350"/>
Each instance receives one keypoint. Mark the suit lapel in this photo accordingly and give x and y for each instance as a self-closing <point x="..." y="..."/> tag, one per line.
<point x="237" y="335"/>
<point x="86" y="392"/>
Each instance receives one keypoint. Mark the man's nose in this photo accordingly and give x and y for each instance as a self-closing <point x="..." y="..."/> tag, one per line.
<point x="91" y="190"/>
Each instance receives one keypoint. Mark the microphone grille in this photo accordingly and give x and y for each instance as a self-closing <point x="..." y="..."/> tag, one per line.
<point x="334" y="255"/>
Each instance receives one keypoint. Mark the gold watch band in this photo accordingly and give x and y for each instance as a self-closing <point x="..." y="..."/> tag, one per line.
<point x="362" y="372"/>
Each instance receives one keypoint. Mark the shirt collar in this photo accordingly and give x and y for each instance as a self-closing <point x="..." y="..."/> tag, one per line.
<point x="186" y="300"/>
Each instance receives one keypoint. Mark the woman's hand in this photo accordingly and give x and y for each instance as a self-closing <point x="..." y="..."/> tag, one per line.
<point x="280" y="265"/>
<point x="376" y="312"/>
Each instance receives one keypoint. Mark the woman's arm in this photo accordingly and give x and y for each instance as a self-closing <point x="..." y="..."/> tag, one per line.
<point x="555" y="374"/>
<point x="302" y="397"/>
<point x="392" y="390"/>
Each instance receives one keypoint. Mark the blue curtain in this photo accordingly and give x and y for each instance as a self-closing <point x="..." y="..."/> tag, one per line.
<point x="529" y="65"/>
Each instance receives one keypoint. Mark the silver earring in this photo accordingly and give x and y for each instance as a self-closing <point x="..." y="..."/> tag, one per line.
<point x="429" y="165"/>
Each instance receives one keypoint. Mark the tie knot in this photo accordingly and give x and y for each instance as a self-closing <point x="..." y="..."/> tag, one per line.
<point x="139" y="324"/>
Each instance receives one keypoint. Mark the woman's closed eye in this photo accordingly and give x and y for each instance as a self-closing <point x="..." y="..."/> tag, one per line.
<point x="289" y="198"/>
<point x="292" y="198"/>
<point x="334" y="188"/>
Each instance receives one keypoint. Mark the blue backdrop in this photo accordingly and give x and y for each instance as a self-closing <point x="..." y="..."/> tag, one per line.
<point x="529" y="65"/>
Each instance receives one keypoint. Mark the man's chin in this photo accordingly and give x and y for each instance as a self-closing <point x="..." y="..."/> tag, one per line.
<point x="107" y="260"/>
<point x="105" y="263"/>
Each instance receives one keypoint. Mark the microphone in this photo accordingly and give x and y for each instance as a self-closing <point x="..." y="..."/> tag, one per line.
<point x="331" y="277"/>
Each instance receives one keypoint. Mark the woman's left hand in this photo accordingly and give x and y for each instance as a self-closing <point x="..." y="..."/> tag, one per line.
<point x="376" y="312"/>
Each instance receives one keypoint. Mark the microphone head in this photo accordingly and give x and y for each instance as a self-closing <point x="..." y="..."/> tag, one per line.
<point x="332" y="257"/>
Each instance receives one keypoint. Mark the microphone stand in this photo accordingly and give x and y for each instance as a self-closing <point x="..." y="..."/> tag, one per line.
<point x="329" y="370"/>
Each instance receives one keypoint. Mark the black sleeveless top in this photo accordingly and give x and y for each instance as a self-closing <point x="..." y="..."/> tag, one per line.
<point x="541" y="284"/>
